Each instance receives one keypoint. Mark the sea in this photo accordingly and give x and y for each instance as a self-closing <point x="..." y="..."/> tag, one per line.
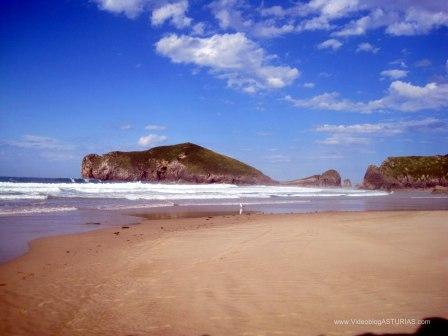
<point x="31" y="208"/>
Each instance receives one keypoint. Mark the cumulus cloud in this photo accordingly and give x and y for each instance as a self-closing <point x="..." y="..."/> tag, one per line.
<point x="418" y="21"/>
<point x="151" y="140"/>
<point x="240" y="16"/>
<point x="330" y="44"/>
<point x="394" y="73"/>
<point x="363" y="133"/>
<point x="398" y="18"/>
<point x="367" y="47"/>
<point x="343" y="17"/>
<point x="401" y="96"/>
<point x="232" y="57"/>
<point x="309" y="85"/>
<point x="130" y="8"/>
<point x="155" y="127"/>
<point x="172" y="12"/>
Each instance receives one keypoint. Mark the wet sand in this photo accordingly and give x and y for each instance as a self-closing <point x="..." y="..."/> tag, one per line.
<point x="232" y="275"/>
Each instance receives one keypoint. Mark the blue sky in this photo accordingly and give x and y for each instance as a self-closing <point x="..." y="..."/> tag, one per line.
<point x="293" y="88"/>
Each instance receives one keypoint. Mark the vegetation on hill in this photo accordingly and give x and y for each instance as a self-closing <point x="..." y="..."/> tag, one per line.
<point x="408" y="172"/>
<point x="182" y="162"/>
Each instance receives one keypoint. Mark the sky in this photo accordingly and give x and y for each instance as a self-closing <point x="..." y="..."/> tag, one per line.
<point x="291" y="87"/>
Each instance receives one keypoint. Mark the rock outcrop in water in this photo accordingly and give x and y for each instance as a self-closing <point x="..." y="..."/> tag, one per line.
<point x="347" y="183"/>
<point x="408" y="172"/>
<point x="184" y="162"/>
<point x="330" y="178"/>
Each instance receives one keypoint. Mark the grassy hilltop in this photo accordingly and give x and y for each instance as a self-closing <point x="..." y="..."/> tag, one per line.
<point x="185" y="162"/>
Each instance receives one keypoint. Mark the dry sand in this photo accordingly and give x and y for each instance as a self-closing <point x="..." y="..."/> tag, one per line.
<point x="236" y="275"/>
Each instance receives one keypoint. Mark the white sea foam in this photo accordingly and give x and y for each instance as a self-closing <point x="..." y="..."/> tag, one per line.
<point x="33" y="210"/>
<point x="160" y="192"/>
<point x="22" y="196"/>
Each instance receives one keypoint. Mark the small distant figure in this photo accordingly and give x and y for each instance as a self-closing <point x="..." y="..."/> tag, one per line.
<point x="241" y="208"/>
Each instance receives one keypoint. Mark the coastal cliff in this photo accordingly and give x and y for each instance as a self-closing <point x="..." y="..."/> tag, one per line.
<point x="184" y="162"/>
<point x="330" y="178"/>
<point x="408" y="172"/>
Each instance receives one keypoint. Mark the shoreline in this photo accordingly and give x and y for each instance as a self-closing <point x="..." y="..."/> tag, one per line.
<point x="173" y="214"/>
<point x="222" y="275"/>
<point x="16" y="231"/>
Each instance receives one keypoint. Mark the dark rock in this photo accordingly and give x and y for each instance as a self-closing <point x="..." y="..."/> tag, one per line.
<point x="330" y="178"/>
<point x="373" y="178"/>
<point x="440" y="190"/>
<point x="125" y="227"/>
<point x="347" y="183"/>
<point x="185" y="162"/>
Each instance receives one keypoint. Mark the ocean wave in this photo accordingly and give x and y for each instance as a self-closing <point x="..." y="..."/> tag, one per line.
<point x="159" y="192"/>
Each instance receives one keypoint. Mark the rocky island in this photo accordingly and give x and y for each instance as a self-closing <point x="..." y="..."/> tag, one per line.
<point x="185" y="163"/>
<point x="408" y="172"/>
<point x="330" y="178"/>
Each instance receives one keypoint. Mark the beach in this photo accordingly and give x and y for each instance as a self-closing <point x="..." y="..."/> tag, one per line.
<point x="250" y="274"/>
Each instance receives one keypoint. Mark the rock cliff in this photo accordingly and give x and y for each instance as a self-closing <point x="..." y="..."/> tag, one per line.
<point x="186" y="162"/>
<point x="408" y="172"/>
<point x="330" y="178"/>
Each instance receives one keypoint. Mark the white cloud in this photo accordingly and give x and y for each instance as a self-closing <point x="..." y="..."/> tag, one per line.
<point x="363" y="133"/>
<point x="399" y="62"/>
<point x="233" y="57"/>
<point x="367" y="47"/>
<point x="39" y="142"/>
<point x="155" y="127"/>
<point x="199" y="28"/>
<point x="423" y="63"/>
<point x="327" y="101"/>
<point x="375" y="19"/>
<point x="126" y="127"/>
<point x="47" y="148"/>
<point x="418" y="21"/>
<point x="334" y="8"/>
<point x="344" y="17"/>
<point x="401" y="96"/>
<point x="337" y="139"/>
<point x="398" y="17"/>
<point x="394" y="73"/>
<point x="330" y="44"/>
<point x="277" y="158"/>
<point x="240" y="16"/>
<point x="173" y="12"/>
<point x="407" y="97"/>
<point x="309" y="85"/>
<point x="151" y="140"/>
<point x="130" y="8"/>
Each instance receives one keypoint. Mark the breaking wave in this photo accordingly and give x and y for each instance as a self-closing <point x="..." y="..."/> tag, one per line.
<point x="162" y="192"/>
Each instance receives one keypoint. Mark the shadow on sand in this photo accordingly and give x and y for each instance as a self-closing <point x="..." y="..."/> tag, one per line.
<point x="437" y="326"/>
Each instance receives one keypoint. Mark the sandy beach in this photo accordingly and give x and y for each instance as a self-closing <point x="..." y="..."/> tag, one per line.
<point x="289" y="274"/>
